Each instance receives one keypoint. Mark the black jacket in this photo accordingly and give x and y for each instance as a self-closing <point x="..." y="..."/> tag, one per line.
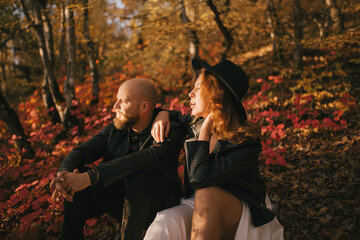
<point x="112" y="145"/>
<point x="232" y="167"/>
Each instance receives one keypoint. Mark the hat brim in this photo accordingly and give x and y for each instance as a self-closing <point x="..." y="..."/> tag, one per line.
<point x="198" y="64"/>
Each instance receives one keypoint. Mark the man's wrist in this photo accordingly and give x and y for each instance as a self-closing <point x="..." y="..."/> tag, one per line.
<point x="93" y="177"/>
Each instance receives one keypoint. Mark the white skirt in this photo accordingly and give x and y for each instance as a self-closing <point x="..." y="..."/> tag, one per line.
<point x="175" y="224"/>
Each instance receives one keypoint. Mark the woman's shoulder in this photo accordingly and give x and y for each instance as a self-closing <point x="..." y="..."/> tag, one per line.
<point x="225" y="146"/>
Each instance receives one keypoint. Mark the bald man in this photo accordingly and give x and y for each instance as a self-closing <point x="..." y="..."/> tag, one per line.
<point x="137" y="177"/>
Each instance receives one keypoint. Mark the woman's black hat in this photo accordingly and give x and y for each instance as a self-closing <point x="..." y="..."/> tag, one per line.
<point x="228" y="73"/>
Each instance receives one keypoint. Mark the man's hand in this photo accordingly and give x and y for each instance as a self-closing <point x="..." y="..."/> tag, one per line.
<point x="75" y="182"/>
<point x="56" y="183"/>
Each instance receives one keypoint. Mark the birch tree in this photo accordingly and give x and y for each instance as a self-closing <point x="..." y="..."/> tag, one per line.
<point x="91" y="54"/>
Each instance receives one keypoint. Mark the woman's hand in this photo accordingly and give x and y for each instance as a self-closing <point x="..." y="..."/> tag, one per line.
<point x="161" y="126"/>
<point x="205" y="132"/>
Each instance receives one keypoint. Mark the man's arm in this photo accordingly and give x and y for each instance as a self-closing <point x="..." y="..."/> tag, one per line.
<point x="88" y="152"/>
<point x="68" y="180"/>
<point x="156" y="156"/>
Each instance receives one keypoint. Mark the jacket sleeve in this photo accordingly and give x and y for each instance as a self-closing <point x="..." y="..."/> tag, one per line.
<point x="203" y="172"/>
<point x="183" y="119"/>
<point x="156" y="156"/>
<point x="88" y="152"/>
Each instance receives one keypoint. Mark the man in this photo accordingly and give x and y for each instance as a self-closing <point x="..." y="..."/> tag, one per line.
<point x="137" y="177"/>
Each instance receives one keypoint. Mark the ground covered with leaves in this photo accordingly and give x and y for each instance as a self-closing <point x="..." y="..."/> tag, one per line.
<point x="310" y="159"/>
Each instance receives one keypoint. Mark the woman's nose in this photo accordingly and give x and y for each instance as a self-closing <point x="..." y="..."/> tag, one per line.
<point x="191" y="94"/>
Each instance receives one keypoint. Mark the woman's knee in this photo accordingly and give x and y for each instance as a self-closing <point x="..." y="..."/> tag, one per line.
<point x="216" y="211"/>
<point x="216" y="202"/>
<point x="207" y="198"/>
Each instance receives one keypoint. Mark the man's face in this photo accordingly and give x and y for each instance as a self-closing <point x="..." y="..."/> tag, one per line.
<point x="126" y="108"/>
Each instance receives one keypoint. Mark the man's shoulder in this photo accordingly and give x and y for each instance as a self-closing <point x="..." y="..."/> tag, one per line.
<point x="111" y="129"/>
<point x="108" y="127"/>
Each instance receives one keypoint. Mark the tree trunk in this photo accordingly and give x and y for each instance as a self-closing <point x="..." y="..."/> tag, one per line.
<point x="274" y="24"/>
<point x="91" y="53"/>
<point x="322" y="19"/>
<point x="11" y="119"/>
<point x="48" y="35"/>
<point x="38" y="26"/>
<point x="70" y="79"/>
<point x="48" y="101"/>
<point x="69" y="84"/>
<point x="298" y="33"/>
<point x="62" y="58"/>
<point x="191" y="34"/>
<point x="229" y="40"/>
<point x="49" y="43"/>
<point x="4" y="86"/>
<point x="336" y="16"/>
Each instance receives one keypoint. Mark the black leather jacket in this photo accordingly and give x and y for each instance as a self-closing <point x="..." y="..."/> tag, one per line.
<point x="232" y="167"/>
<point x="112" y="145"/>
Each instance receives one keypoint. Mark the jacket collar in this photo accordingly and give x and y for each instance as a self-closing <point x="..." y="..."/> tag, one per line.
<point x="196" y="127"/>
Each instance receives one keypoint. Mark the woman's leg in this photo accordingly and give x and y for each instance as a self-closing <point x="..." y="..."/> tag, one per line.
<point x="216" y="214"/>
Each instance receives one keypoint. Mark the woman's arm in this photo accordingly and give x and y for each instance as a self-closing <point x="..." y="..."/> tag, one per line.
<point x="224" y="168"/>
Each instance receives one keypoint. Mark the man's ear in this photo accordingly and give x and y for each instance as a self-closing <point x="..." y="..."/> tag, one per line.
<point x="145" y="106"/>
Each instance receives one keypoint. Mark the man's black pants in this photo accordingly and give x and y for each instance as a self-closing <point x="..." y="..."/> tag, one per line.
<point x="133" y="201"/>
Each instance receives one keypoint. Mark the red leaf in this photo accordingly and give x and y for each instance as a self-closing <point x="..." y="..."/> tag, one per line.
<point x="13" y="173"/>
<point x="24" y="193"/>
<point x="28" y="218"/>
<point x="36" y="204"/>
<point x="281" y="161"/>
<point x="343" y="121"/>
<point x="91" y="222"/>
<point x="281" y="133"/>
<point x="47" y="216"/>
<point x="88" y="231"/>
<point x="326" y="120"/>
<point x="273" y="135"/>
<point x="181" y="170"/>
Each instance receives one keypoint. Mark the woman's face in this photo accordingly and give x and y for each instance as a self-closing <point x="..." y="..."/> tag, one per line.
<point x="197" y="103"/>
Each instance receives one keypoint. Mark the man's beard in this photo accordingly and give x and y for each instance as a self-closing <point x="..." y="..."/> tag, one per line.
<point x="125" y="121"/>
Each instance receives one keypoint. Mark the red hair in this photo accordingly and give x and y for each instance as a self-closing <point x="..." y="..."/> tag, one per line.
<point x="229" y="124"/>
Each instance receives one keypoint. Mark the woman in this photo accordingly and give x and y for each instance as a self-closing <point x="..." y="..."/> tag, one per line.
<point x="221" y="163"/>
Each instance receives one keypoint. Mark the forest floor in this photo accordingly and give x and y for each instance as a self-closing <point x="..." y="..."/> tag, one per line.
<point x="309" y="118"/>
<point x="316" y="194"/>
